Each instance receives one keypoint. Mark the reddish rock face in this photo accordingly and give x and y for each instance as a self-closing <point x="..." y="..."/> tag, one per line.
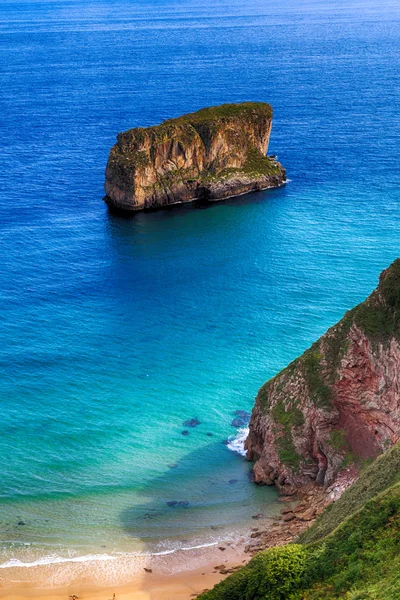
<point x="339" y="403"/>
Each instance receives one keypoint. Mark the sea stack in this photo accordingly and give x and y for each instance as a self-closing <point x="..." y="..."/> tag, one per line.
<point x="215" y="153"/>
<point x="336" y="406"/>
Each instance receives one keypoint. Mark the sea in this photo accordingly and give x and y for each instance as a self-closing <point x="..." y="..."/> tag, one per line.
<point x="117" y="330"/>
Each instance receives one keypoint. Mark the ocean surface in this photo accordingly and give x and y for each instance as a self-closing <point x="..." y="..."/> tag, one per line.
<point x="114" y="330"/>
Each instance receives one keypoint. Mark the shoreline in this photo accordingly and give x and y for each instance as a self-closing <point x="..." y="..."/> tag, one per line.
<point x="198" y="569"/>
<point x="146" y="585"/>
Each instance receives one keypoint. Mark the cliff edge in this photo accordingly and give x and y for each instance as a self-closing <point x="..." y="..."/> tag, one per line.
<point x="336" y="406"/>
<point x="211" y="154"/>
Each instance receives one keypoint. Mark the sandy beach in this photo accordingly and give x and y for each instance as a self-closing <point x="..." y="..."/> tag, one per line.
<point x="149" y="587"/>
<point x="154" y="585"/>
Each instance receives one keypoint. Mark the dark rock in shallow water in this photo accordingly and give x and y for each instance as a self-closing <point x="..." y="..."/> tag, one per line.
<point x="185" y="432"/>
<point x="183" y="503"/>
<point x="243" y="414"/>
<point x="191" y="422"/>
<point x="209" y="434"/>
<point x="238" y="422"/>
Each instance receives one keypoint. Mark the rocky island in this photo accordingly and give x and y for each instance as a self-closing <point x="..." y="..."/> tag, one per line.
<point x="215" y="153"/>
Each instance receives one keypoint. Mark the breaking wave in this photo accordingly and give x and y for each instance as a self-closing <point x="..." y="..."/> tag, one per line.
<point x="236" y="443"/>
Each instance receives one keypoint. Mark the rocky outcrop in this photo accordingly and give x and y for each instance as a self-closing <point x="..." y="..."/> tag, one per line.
<point x="336" y="406"/>
<point x="212" y="154"/>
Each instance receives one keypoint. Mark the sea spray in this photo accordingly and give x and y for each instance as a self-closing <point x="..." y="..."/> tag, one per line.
<point x="236" y="443"/>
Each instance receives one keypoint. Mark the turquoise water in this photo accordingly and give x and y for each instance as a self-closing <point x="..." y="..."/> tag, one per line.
<point x="115" y="331"/>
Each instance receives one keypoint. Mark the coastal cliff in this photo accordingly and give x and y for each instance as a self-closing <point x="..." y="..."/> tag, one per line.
<point x="338" y="405"/>
<point x="212" y="154"/>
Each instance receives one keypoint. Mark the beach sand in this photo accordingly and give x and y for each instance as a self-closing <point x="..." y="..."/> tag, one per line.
<point x="147" y="586"/>
<point x="151" y="587"/>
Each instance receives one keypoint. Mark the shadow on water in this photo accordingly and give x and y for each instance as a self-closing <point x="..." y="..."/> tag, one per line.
<point x="200" y="204"/>
<point x="205" y="497"/>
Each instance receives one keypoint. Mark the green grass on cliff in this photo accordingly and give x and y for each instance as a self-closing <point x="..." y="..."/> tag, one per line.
<point x="320" y="392"/>
<point x="288" y="417"/>
<point x="379" y="315"/>
<point x="359" y="560"/>
<point x="248" y="111"/>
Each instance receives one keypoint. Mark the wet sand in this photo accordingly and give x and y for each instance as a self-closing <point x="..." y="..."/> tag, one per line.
<point x="147" y="586"/>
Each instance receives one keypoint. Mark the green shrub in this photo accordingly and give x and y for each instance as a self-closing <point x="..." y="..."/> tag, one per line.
<point x="276" y="573"/>
<point x="288" y="417"/>
<point x="273" y="574"/>
<point x="287" y="452"/>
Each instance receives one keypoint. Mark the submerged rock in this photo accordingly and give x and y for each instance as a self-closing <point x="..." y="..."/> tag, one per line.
<point x="238" y="422"/>
<point x="212" y="154"/>
<point x="173" y="503"/>
<point x="191" y="422"/>
<point x="243" y="414"/>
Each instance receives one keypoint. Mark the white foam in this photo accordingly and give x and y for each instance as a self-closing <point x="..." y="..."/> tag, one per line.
<point x="236" y="443"/>
<point x="209" y="545"/>
<point x="54" y="559"/>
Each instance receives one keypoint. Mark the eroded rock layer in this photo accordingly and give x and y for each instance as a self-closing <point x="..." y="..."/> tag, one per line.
<point x="338" y="405"/>
<point x="212" y="154"/>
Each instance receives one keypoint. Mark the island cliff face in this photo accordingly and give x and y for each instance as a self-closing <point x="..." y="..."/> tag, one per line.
<point x="339" y="403"/>
<point x="212" y="154"/>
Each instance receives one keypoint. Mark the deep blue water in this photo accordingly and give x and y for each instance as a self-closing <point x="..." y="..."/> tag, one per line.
<point x="114" y="331"/>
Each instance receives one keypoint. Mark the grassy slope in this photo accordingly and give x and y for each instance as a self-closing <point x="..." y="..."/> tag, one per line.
<point x="225" y="111"/>
<point x="358" y="560"/>
<point x="377" y="477"/>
